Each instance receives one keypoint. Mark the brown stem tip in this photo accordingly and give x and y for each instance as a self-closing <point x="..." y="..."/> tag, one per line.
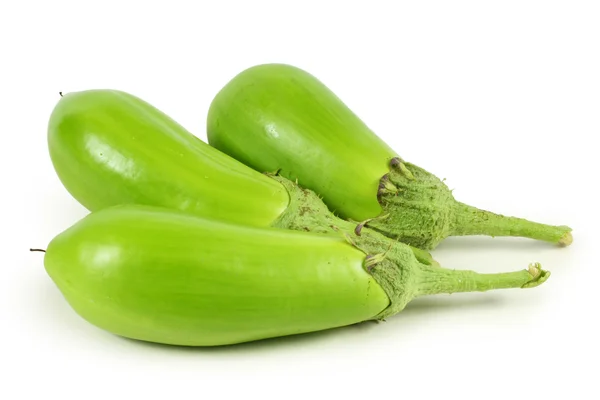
<point x="395" y="162"/>
<point x="40" y="250"/>
<point x="358" y="229"/>
<point x="566" y="239"/>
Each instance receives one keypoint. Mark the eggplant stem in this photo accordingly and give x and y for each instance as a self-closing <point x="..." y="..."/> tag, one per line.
<point x="440" y="280"/>
<point x="469" y="220"/>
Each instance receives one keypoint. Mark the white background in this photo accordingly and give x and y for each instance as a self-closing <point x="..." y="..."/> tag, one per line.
<point x="501" y="98"/>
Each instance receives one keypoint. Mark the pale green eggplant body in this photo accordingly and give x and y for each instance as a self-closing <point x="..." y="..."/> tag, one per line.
<point x="109" y="147"/>
<point x="277" y="117"/>
<point x="163" y="276"/>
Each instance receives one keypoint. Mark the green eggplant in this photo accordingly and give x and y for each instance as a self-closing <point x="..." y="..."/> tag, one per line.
<point x="279" y="117"/>
<point x="109" y="147"/>
<point x="160" y="275"/>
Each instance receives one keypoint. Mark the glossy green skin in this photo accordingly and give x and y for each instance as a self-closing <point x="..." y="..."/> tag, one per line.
<point x="162" y="276"/>
<point x="277" y="116"/>
<point x="109" y="147"/>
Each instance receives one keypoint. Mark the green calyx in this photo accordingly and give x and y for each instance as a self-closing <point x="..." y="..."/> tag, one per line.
<point x="403" y="279"/>
<point x="419" y="209"/>
<point x="307" y="212"/>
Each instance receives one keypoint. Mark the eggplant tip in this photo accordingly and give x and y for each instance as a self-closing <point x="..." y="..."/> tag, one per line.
<point x="566" y="239"/>
<point x="538" y="275"/>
